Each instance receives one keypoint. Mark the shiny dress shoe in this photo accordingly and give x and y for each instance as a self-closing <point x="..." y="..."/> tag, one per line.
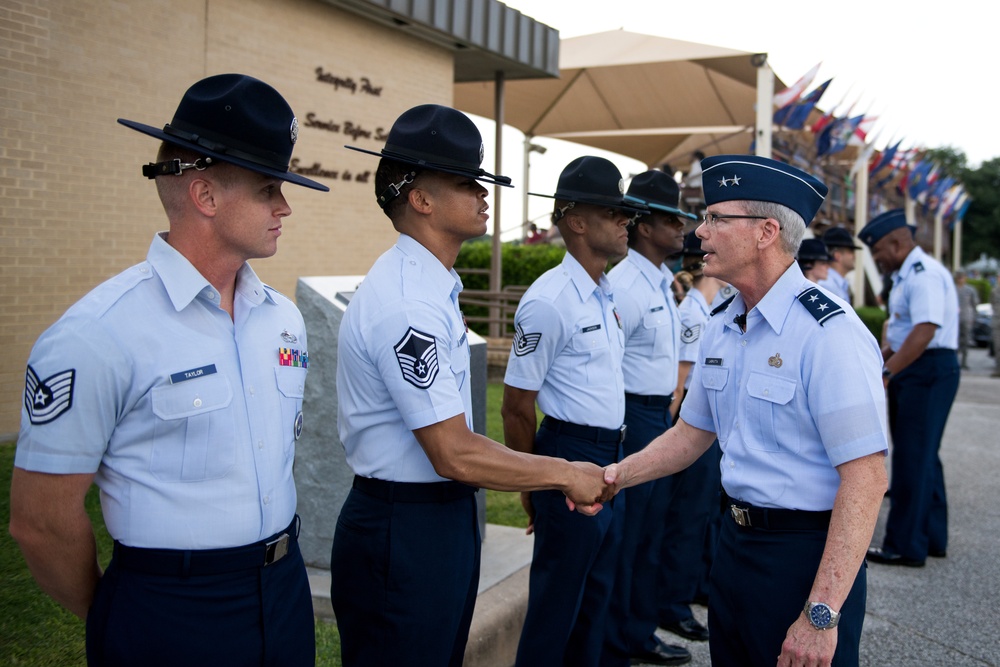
<point x="937" y="553"/>
<point x="876" y="555"/>
<point x="689" y="628"/>
<point x="663" y="654"/>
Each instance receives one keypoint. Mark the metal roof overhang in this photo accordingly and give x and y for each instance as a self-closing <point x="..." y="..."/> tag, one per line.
<point x="486" y="36"/>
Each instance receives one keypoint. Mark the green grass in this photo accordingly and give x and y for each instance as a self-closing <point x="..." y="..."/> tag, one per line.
<point x="37" y="632"/>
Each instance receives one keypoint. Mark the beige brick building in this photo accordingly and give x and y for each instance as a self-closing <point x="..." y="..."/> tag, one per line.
<point x="74" y="207"/>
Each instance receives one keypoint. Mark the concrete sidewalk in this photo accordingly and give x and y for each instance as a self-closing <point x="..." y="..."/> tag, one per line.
<point x="942" y="614"/>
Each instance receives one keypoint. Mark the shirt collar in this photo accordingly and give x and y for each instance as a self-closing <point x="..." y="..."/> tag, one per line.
<point x="585" y="285"/>
<point x="184" y="283"/>
<point x="444" y="281"/>
<point x="778" y="301"/>
<point x="654" y="274"/>
<point x="915" y="255"/>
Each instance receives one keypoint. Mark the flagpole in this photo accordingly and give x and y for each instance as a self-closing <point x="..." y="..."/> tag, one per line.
<point x="938" y="226"/>
<point x="956" y="247"/>
<point x="860" y="220"/>
<point x="765" y="105"/>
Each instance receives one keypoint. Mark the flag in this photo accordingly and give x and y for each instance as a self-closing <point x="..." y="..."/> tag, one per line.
<point x="793" y="92"/>
<point x="864" y="156"/>
<point x="916" y="181"/>
<point x="835" y="136"/>
<point x="954" y="199"/>
<point x="885" y="159"/>
<point x="794" y="115"/>
<point x="860" y="136"/>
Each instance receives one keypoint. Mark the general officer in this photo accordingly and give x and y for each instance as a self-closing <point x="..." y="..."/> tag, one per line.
<point x="644" y="300"/>
<point x="405" y="558"/>
<point x="177" y="387"/>
<point x="567" y="355"/>
<point x="840" y="245"/>
<point x="921" y="373"/>
<point x="789" y="381"/>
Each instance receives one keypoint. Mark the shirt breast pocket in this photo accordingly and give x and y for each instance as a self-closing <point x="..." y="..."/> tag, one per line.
<point x="587" y="346"/>
<point x="769" y="414"/>
<point x="291" y="382"/>
<point x="657" y="327"/>
<point x="194" y="437"/>
<point x="714" y="379"/>
<point x="460" y="363"/>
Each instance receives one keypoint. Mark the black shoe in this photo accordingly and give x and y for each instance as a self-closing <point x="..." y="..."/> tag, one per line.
<point x="663" y="654"/>
<point x="689" y="628"/>
<point x="877" y="555"/>
<point x="938" y="553"/>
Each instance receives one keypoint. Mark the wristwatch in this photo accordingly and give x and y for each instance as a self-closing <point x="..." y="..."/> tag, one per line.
<point x="886" y="373"/>
<point x="821" y="616"/>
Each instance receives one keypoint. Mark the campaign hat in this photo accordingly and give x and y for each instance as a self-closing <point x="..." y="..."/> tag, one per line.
<point x="657" y="191"/>
<point x="753" y="178"/>
<point x="437" y="138"/>
<point x="881" y="225"/>
<point x="231" y="118"/>
<point x="592" y="180"/>
<point x="813" y="250"/>
<point x="838" y="237"/>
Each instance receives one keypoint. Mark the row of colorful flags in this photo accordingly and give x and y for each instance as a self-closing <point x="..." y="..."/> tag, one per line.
<point x="917" y="176"/>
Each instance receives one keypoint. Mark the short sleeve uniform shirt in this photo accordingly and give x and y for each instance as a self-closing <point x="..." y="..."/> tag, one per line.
<point x="188" y="417"/>
<point x="923" y="291"/>
<point x="568" y="346"/>
<point x="792" y="398"/>
<point x="403" y="363"/>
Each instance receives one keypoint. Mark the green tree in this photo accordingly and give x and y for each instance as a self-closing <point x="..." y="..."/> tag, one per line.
<point x="981" y="225"/>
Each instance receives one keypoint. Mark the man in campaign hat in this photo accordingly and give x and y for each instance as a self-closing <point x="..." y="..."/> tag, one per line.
<point x="176" y="387"/>
<point x="841" y="247"/>
<point x="405" y="557"/>
<point x="921" y="375"/>
<point x="641" y="284"/>
<point x="789" y="382"/>
<point x="814" y="259"/>
<point x="567" y="356"/>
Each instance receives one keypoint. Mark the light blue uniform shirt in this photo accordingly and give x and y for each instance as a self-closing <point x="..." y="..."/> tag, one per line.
<point x="790" y="399"/>
<point x="694" y="314"/>
<point x="923" y="291"/>
<point x="402" y="363"/>
<point x="651" y="324"/>
<point x="188" y="418"/>
<point x="568" y="346"/>
<point x="836" y="284"/>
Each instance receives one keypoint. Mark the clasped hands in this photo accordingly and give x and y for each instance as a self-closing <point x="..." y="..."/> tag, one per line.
<point x="593" y="486"/>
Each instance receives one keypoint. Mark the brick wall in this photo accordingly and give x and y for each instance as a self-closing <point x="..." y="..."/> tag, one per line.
<point x="74" y="208"/>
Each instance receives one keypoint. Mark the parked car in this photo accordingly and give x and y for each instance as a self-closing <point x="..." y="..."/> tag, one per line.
<point x="982" y="328"/>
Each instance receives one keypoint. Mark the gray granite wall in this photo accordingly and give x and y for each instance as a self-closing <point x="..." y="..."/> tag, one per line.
<point x="322" y="476"/>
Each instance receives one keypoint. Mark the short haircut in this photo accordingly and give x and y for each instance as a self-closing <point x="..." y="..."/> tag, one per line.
<point x="793" y="227"/>
<point x="390" y="173"/>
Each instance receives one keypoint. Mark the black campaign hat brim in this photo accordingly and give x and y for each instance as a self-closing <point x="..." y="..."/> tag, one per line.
<point x="594" y="202"/>
<point x="479" y="175"/>
<point x="239" y="162"/>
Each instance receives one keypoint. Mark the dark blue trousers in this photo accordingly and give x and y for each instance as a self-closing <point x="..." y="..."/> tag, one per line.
<point x="573" y="566"/>
<point x="633" y="607"/>
<point x="717" y="511"/>
<point x="920" y="398"/>
<point x="251" y="617"/>
<point x="694" y="502"/>
<point x="404" y="580"/>
<point x="760" y="582"/>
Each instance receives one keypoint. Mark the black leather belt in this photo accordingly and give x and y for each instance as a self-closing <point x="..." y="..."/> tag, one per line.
<point x="658" y="401"/>
<point x="769" y="518"/>
<point x="203" y="562"/>
<point x="592" y="433"/>
<point x="413" y="492"/>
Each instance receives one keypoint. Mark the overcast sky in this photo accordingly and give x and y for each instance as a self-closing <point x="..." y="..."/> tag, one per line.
<point x="923" y="70"/>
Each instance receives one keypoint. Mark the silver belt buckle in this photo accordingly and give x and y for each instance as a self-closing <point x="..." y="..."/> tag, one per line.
<point x="621" y="433"/>
<point x="276" y="549"/>
<point x="740" y="515"/>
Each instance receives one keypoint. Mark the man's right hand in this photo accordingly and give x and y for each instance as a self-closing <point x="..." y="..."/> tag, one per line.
<point x="586" y="491"/>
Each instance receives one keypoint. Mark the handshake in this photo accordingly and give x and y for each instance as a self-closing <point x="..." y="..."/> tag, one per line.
<point x="591" y="486"/>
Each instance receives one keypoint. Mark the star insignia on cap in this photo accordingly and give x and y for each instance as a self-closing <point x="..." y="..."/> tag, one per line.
<point x="724" y="182"/>
<point x="293" y="131"/>
<point x="735" y="180"/>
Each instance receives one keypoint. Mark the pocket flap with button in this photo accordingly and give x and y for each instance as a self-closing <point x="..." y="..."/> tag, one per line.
<point x="713" y="377"/>
<point x="770" y="388"/>
<point x="192" y="397"/>
<point x="291" y="381"/>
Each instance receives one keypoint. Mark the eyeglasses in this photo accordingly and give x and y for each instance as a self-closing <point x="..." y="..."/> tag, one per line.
<point x="711" y="219"/>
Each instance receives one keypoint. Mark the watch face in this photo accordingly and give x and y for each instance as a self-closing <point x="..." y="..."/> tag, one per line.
<point x="820" y="615"/>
